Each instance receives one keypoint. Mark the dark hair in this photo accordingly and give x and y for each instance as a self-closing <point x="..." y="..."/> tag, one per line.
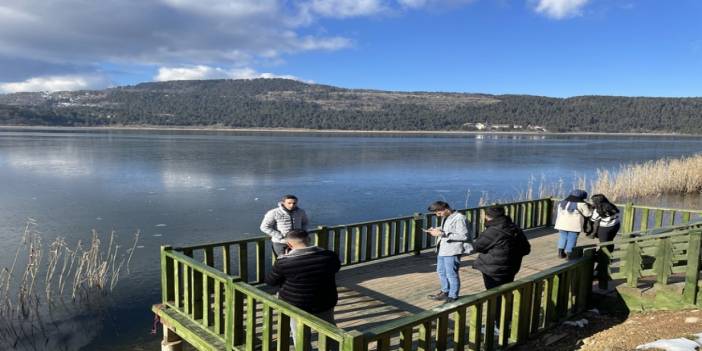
<point x="438" y="206"/>
<point x="572" y="200"/>
<point x="297" y="234"/>
<point x="495" y="211"/>
<point x="603" y="206"/>
<point x="289" y="196"/>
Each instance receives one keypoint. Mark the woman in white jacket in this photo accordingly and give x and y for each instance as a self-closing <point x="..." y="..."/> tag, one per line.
<point x="573" y="211"/>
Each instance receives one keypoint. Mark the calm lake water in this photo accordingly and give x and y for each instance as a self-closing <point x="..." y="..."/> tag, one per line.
<point x="180" y="187"/>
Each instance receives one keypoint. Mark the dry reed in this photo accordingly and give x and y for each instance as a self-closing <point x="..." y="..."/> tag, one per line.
<point x="90" y="270"/>
<point x="653" y="178"/>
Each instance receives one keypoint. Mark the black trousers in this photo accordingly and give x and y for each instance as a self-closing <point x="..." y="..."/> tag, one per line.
<point x="605" y="234"/>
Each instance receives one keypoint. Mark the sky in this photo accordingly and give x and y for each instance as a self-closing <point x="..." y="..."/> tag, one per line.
<point x="557" y="48"/>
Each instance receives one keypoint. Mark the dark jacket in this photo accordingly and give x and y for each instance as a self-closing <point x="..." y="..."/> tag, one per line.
<point x="501" y="246"/>
<point x="307" y="278"/>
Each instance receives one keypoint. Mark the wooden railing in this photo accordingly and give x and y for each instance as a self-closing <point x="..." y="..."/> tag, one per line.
<point x="356" y="243"/>
<point x="660" y="254"/>
<point x="640" y="218"/>
<point x="223" y="312"/>
<point x="526" y="306"/>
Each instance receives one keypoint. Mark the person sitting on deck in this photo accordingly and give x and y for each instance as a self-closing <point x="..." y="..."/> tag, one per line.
<point x="450" y="246"/>
<point x="282" y="219"/>
<point x="306" y="276"/>
<point x="501" y="246"/>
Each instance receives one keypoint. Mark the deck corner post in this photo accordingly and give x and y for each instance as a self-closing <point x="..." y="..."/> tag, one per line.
<point x="417" y="220"/>
<point x="352" y="341"/>
<point x="692" y="275"/>
<point x="171" y="341"/>
<point x="166" y="269"/>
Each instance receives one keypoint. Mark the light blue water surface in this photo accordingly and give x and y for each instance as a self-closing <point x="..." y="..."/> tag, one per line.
<point x="179" y="187"/>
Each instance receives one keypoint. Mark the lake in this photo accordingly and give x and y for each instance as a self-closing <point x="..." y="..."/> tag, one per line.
<point x="186" y="187"/>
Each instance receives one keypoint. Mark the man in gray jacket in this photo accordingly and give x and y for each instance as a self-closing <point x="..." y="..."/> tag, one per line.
<point x="282" y="219"/>
<point x="452" y="235"/>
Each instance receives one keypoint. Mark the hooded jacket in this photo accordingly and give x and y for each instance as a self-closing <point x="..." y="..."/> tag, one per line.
<point x="501" y="246"/>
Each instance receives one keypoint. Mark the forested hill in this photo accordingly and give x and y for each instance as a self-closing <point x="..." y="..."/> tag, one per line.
<point x="282" y="103"/>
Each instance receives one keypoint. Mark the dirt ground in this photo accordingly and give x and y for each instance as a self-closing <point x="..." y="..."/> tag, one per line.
<point x="614" y="329"/>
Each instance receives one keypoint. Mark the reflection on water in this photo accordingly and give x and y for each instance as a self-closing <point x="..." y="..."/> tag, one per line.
<point x="192" y="187"/>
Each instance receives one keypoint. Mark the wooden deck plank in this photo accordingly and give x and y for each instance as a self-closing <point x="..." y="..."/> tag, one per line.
<point x="383" y="291"/>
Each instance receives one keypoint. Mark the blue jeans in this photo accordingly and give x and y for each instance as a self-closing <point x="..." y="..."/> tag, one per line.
<point x="567" y="240"/>
<point x="447" y="267"/>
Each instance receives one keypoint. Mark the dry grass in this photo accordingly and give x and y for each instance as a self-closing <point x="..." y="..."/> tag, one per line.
<point x="41" y="282"/>
<point x="653" y="178"/>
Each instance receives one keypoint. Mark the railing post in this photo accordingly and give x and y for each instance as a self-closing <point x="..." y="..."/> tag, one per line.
<point x="692" y="275"/>
<point x="549" y="212"/>
<point x="352" y="341"/>
<point x="323" y="237"/>
<point x="628" y="223"/>
<point x="166" y="270"/>
<point x="417" y="233"/>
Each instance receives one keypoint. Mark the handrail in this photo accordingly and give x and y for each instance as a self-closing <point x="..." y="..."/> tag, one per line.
<point x="309" y="319"/>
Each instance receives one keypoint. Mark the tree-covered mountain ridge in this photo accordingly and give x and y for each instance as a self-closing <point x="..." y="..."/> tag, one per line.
<point x="284" y="103"/>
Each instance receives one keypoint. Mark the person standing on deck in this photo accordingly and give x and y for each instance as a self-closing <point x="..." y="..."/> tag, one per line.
<point x="571" y="215"/>
<point x="452" y="234"/>
<point x="306" y="276"/>
<point x="501" y="246"/>
<point x="605" y="215"/>
<point x="279" y="221"/>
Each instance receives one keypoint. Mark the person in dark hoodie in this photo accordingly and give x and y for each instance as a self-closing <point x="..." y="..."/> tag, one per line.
<point x="306" y="276"/>
<point x="501" y="246"/>
<point x="282" y="219"/>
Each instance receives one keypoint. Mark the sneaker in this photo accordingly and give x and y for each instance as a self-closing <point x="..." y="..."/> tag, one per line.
<point x="441" y="296"/>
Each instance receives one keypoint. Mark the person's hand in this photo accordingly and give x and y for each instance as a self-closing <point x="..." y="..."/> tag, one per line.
<point x="435" y="231"/>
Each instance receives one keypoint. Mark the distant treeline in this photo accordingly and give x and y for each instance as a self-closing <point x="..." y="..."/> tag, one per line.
<point x="281" y="103"/>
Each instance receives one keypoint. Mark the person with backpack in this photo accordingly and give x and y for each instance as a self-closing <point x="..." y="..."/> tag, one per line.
<point x="605" y="217"/>
<point x="502" y="245"/>
<point x="571" y="216"/>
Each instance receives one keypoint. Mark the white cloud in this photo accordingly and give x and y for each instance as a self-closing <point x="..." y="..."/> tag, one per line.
<point x="433" y="4"/>
<point x="347" y="8"/>
<point x="202" y="72"/>
<point x="56" y="83"/>
<point x="560" y="9"/>
<point x="153" y="33"/>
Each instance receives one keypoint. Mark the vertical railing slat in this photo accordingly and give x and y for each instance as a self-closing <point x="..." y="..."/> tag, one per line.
<point x="267" y="330"/>
<point x="475" y="336"/>
<point x="692" y="275"/>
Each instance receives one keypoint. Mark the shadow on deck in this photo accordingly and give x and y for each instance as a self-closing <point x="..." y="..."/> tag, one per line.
<point x="377" y="292"/>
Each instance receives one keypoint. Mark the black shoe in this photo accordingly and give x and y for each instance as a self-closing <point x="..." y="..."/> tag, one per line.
<point x="562" y="253"/>
<point x="438" y="297"/>
<point x="451" y="299"/>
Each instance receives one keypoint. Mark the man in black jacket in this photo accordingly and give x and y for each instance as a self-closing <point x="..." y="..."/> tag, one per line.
<point x="306" y="276"/>
<point x="501" y="246"/>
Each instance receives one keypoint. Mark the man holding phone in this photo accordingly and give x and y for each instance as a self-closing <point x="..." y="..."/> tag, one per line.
<point x="452" y="234"/>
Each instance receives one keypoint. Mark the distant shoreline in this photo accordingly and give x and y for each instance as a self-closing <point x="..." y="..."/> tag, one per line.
<point x="334" y="131"/>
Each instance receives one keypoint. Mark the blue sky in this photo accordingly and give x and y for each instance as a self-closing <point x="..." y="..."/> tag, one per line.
<point x="539" y="47"/>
